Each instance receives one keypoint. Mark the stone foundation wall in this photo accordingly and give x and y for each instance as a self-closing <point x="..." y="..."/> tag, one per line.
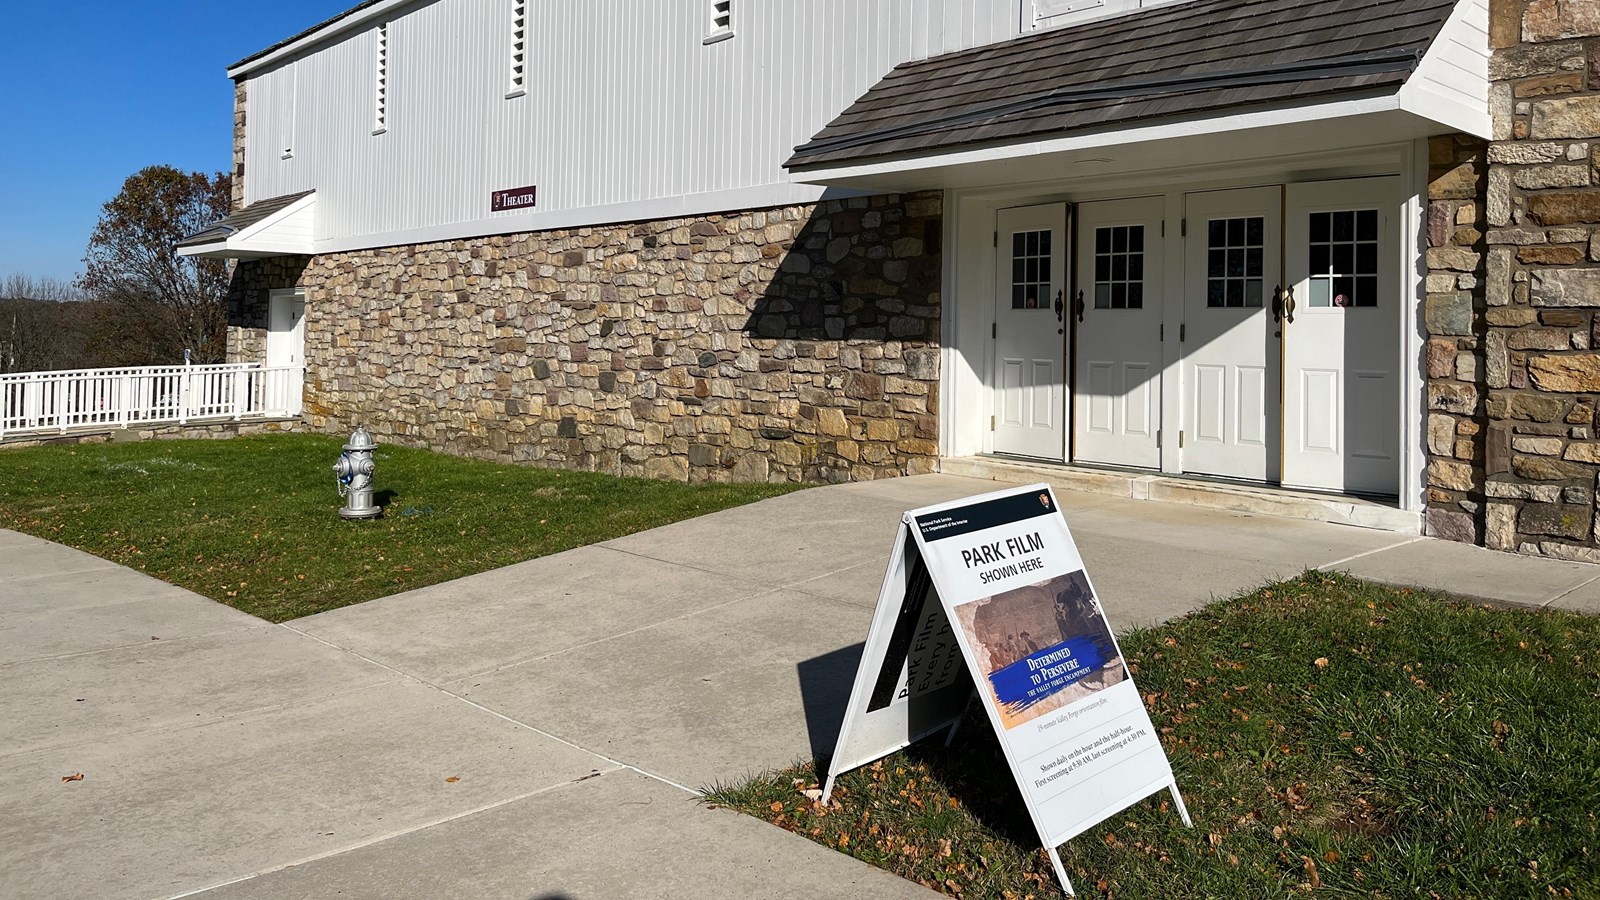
<point x="1540" y="361"/>
<point x="796" y="344"/>
<point x="1454" y="317"/>
<point x="194" y="431"/>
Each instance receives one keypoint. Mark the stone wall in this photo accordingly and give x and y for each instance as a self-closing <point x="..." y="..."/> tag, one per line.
<point x="1454" y="318"/>
<point x="1539" y="357"/>
<point x="241" y="98"/>
<point x="798" y="343"/>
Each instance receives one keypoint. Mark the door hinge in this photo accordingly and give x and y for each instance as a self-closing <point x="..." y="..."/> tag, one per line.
<point x="1163" y="331"/>
<point x="997" y="240"/>
<point x="1159" y="433"/>
<point x="1180" y="440"/>
<point x="1183" y="332"/>
<point x="994" y="331"/>
<point x="991" y="423"/>
<point x="1185" y="229"/>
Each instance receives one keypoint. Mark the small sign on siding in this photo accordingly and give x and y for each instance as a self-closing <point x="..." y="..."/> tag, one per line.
<point x="516" y="198"/>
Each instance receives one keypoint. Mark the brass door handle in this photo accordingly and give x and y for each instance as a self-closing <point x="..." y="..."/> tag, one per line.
<point x="1283" y="304"/>
<point x="1288" y="305"/>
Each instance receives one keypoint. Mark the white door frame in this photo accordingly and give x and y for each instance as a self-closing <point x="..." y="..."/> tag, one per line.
<point x="286" y="347"/>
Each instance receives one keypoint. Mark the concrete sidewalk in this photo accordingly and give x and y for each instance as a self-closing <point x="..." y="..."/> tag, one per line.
<point x="577" y="698"/>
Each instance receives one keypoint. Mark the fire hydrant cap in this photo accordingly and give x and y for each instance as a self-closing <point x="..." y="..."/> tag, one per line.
<point x="361" y="441"/>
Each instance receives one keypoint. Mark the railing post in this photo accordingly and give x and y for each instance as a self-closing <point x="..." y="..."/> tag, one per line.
<point x="61" y="405"/>
<point x="185" y="393"/>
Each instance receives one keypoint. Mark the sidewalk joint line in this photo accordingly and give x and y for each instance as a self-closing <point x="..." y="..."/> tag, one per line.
<point x="1568" y="592"/>
<point x="1339" y="562"/>
<point x="499" y="715"/>
<point x="379" y="839"/>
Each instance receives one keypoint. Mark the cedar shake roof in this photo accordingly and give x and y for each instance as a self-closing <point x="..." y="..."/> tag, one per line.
<point x="1204" y="57"/>
<point x="307" y="33"/>
<point x="239" y="221"/>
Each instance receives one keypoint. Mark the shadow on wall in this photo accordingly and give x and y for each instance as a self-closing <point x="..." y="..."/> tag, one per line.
<point x="249" y="292"/>
<point x="864" y="269"/>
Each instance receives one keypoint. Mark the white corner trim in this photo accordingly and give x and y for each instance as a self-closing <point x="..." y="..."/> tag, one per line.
<point x="1290" y="115"/>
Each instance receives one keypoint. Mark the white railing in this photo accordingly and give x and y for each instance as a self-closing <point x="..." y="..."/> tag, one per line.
<point x="97" y="399"/>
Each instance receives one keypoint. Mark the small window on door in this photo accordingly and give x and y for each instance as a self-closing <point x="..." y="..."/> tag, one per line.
<point x="1030" y="268"/>
<point x="1235" y="252"/>
<point x="1344" y="258"/>
<point x="1119" y="267"/>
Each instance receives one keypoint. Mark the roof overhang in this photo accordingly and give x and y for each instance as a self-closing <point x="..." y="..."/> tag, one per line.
<point x="1351" y="124"/>
<point x="287" y="230"/>
<point x="358" y="16"/>
<point x="896" y="138"/>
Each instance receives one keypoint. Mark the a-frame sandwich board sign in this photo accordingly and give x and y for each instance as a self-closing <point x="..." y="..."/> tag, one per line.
<point x="1047" y="669"/>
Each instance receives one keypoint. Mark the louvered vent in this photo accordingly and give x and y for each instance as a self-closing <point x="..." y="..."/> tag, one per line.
<point x="721" y="20"/>
<point x="381" y="85"/>
<point x="519" y="48"/>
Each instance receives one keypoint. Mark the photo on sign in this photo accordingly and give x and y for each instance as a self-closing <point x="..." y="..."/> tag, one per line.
<point x="1041" y="647"/>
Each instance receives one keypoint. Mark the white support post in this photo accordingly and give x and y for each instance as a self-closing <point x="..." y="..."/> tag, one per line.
<point x="185" y="395"/>
<point x="61" y="404"/>
<point x="125" y="399"/>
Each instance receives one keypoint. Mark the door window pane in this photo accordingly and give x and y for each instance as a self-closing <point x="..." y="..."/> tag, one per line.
<point x="1119" y="267"/>
<point x="1343" y="253"/>
<point x="1030" y="269"/>
<point x="1235" y="256"/>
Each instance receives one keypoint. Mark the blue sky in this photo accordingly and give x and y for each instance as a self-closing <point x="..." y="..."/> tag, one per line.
<point x="91" y="91"/>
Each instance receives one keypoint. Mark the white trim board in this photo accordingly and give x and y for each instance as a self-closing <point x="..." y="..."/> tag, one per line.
<point x="653" y="210"/>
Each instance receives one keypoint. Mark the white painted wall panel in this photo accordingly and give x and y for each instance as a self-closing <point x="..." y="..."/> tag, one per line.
<point x="624" y="104"/>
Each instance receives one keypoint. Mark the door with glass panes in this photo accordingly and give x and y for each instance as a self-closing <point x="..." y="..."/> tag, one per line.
<point x="1117" y="392"/>
<point x="1230" y="335"/>
<point x="1029" y="378"/>
<point x="1342" y="337"/>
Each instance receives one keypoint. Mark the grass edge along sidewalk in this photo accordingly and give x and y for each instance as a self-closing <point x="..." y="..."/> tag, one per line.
<point x="1332" y="738"/>
<point x="251" y="521"/>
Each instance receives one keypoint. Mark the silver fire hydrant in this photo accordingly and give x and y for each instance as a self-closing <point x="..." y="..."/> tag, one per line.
<point x="354" y="474"/>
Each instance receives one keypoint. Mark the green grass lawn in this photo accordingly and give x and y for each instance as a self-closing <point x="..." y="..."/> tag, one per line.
<point x="1331" y="737"/>
<point x="252" y="522"/>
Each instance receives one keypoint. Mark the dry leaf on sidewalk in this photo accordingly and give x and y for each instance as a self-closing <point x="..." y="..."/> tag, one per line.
<point x="452" y="779"/>
<point x="77" y="776"/>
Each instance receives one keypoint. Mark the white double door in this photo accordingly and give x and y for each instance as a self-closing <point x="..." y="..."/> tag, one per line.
<point x="1280" y="350"/>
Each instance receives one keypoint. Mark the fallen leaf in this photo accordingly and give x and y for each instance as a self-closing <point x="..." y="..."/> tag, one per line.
<point x="1311" y="871"/>
<point x="452" y="779"/>
<point x="1322" y="662"/>
<point x="74" y="777"/>
<point x="814" y="795"/>
<point x="777" y="806"/>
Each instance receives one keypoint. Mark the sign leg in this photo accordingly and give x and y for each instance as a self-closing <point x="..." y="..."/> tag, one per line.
<point x="1061" y="873"/>
<point x="827" y="790"/>
<point x="956" y="726"/>
<point x="1183" y="810"/>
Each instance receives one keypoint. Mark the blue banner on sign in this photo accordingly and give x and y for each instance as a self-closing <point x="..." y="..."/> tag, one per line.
<point x="1038" y="676"/>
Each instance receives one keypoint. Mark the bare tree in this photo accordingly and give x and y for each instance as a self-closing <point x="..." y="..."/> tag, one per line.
<point x="158" y="303"/>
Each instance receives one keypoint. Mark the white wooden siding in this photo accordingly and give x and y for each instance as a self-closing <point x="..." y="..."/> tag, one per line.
<point x="624" y="104"/>
<point x="1451" y="86"/>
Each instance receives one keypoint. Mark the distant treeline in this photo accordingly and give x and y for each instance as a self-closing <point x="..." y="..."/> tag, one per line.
<point x="48" y="325"/>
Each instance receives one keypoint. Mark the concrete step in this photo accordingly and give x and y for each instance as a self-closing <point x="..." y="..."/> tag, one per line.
<point x="1261" y="499"/>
